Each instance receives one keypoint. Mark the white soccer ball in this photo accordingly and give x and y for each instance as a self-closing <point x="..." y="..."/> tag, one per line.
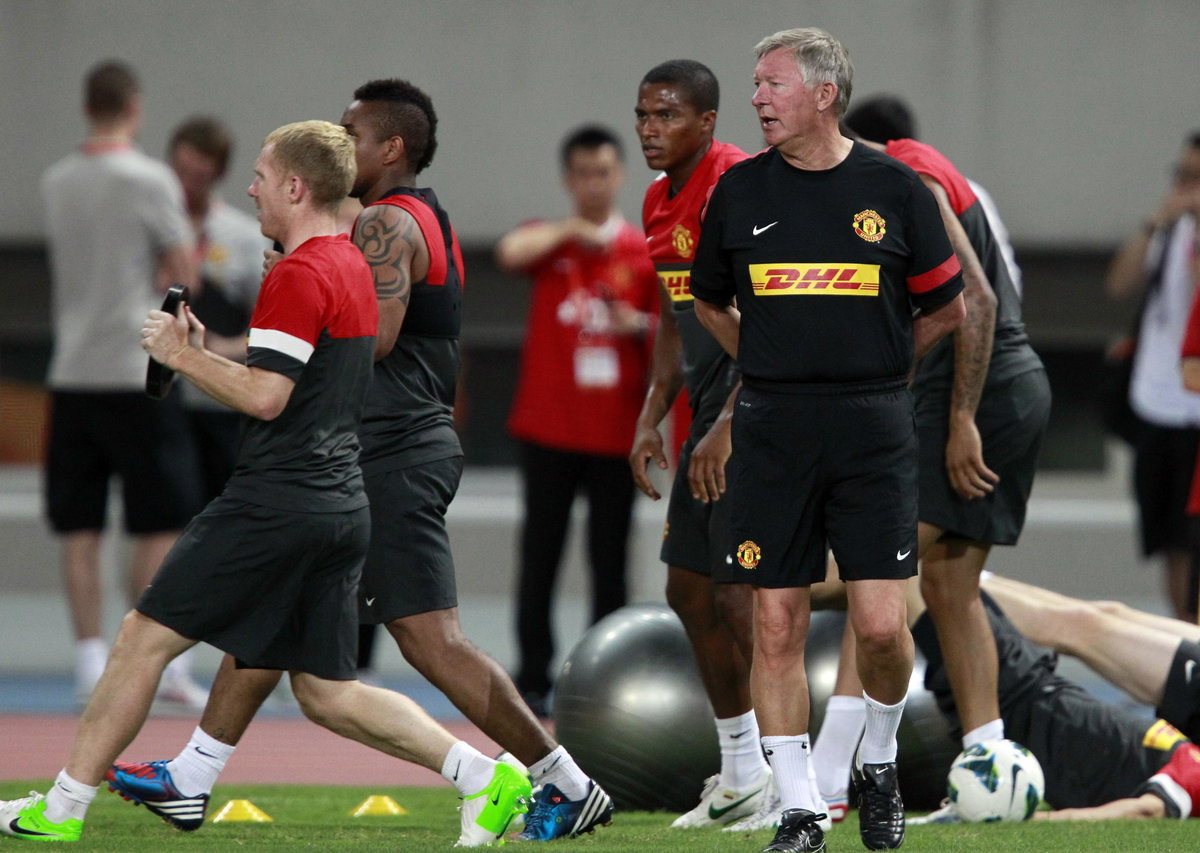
<point x="996" y="780"/>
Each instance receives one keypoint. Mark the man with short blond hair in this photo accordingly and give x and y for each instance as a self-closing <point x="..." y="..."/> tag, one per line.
<point x="293" y="520"/>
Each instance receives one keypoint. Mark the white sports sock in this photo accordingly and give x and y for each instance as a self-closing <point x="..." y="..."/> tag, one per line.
<point x="742" y="762"/>
<point x="467" y="769"/>
<point x="879" y="735"/>
<point x="560" y="770"/>
<point x="68" y="799"/>
<point x="91" y="654"/>
<point x="788" y="757"/>
<point x="833" y="751"/>
<point x="988" y="731"/>
<point x="195" y="770"/>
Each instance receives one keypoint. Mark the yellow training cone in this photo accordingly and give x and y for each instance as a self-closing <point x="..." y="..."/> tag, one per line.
<point x="242" y="810"/>
<point x="378" y="804"/>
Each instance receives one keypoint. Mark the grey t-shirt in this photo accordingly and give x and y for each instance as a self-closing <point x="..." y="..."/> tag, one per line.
<point x="109" y="216"/>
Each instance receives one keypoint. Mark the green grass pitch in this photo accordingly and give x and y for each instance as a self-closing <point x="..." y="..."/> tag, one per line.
<point x="309" y="817"/>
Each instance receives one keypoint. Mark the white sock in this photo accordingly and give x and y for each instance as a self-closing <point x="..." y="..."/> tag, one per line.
<point x="91" y="654"/>
<point x="68" y="799"/>
<point x="788" y="757"/>
<point x="988" y="731"/>
<point x="195" y="770"/>
<point x="833" y="751"/>
<point x="742" y="762"/>
<point x="879" y="735"/>
<point x="560" y="770"/>
<point x="467" y="769"/>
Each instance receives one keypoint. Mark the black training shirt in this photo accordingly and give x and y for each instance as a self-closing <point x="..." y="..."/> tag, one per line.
<point x="827" y="266"/>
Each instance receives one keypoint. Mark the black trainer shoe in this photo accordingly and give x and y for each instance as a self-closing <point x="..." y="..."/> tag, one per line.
<point x="798" y="833"/>
<point x="880" y="809"/>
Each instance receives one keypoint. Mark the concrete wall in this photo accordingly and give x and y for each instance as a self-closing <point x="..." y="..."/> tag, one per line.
<point x="1069" y="112"/>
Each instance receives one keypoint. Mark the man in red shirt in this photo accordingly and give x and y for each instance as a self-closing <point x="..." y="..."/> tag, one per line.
<point x="583" y="376"/>
<point x="676" y="116"/>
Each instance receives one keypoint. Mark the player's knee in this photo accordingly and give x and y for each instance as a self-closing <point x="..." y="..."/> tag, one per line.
<point x="880" y="637"/>
<point x="692" y="602"/>
<point x="317" y="699"/>
<point x="939" y="591"/>
<point x="777" y="638"/>
<point x="426" y="642"/>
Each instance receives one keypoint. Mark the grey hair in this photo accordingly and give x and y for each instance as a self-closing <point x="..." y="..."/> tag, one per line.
<point x="820" y="57"/>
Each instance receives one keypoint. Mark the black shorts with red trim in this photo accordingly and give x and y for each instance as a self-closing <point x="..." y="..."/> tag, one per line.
<point x="823" y="466"/>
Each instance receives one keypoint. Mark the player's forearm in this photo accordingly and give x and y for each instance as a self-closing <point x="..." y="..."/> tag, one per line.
<point x="261" y="394"/>
<point x="666" y="374"/>
<point x="1145" y="806"/>
<point x="973" y="351"/>
<point x="723" y="322"/>
<point x="929" y="328"/>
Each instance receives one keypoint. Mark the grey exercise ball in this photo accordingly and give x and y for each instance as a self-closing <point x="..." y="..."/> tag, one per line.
<point x="630" y="708"/>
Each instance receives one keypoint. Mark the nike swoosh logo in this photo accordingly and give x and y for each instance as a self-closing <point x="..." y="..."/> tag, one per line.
<point x="900" y="556"/>
<point x="880" y="771"/>
<point x="17" y="829"/>
<point x="495" y="800"/>
<point x="757" y="230"/>
<point x="715" y="813"/>
<point x="739" y="734"/>
<point x="202" y="752"/>
<point x="370" y="601"/>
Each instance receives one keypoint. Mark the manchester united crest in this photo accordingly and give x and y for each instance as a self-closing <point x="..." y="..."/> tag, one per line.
<point x="748" y="554"/>
<point x="683" y="241"/>
<point x="869" y="225"/>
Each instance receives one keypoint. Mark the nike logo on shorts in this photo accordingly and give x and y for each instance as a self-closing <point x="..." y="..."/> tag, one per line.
<point x="758" y="230"/>
<point x="900" y="556"/>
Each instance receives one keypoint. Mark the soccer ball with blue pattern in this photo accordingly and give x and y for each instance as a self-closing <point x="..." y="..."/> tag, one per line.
<point x="996" y="780"/>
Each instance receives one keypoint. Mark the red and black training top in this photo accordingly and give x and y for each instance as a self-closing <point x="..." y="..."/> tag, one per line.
<point x="409" y="416"/>
<point x="827" y="266"/>
<point x="1012" y="354"/>
<point x="314" y="322"/>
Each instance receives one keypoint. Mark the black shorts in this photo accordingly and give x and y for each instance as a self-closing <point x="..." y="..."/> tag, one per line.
<point x="144" y="442"/>
<point x="409" y="568"/>
<point x="696" y="536"/>
<point x="1164" y="461"/>
<point x="1012" y="420"/>
<point x="274" y="589"/>
<point x="816" y="468"/>
<point x="1181" y="694"/>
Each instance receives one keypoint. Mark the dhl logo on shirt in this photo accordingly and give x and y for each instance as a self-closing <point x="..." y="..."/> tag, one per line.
<point x="815" y="279"/>
<point x="677" y="284"/>
<point x="1162" y="736"/>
